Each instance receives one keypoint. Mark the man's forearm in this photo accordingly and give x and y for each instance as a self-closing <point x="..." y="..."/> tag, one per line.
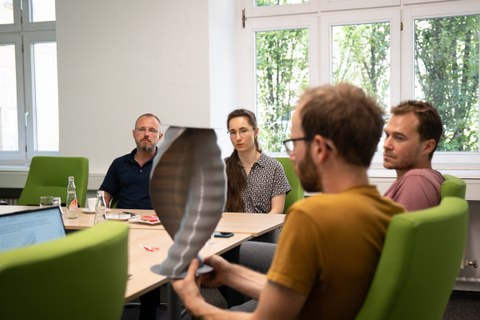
<point x="246" y="281"/>
<point x="205" y="311"/>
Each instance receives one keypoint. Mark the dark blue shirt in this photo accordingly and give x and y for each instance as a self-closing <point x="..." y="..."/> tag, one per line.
<point x="128" y="183"/>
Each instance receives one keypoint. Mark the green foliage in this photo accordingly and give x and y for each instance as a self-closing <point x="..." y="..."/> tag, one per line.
<point x="282" y="72"/>
<point x="361" y="55"/>
<point x="446" y="73"/>
<point x="446" y="70"/>
<point x="267" y="3"/>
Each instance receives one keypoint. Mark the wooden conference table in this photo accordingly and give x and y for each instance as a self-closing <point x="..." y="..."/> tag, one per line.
<point x="254" y="224"/>
<point x="149" y="244"/>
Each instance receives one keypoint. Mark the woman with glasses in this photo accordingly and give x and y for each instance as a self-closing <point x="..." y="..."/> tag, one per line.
<point x="256" y="182"/>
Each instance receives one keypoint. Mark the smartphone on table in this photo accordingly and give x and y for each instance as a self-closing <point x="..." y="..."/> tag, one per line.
<point x="218" y="234"/>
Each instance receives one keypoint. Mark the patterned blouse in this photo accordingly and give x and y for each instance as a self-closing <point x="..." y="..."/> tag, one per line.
<point x="265" y="181"/>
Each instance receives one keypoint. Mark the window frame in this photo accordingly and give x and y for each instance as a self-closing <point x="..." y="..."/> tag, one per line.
<point x="30" y="39"/>
<point x="251" y="11"/>
<point x="13" y="156"/>
<point x="320" y="68"/>
<point x="441" y="160"/>
<point x="329" y="5"/>
<point x="247" y="83"/>
<point x="24" y="34"/>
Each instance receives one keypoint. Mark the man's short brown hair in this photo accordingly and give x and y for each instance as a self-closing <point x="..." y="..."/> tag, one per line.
<point x="346" y="115"/>
<point x="429" y="122"/>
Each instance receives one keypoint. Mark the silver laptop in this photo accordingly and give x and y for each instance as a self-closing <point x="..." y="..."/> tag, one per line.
<point x="29" y="227"/>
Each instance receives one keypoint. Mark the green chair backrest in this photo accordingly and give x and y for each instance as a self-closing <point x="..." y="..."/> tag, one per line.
<point x="81" y="276"/>
<point x="453" y="187"/>
<point x="48" y="176"/>
<point x="419" y="263"/>
<point x="297" y="191"/>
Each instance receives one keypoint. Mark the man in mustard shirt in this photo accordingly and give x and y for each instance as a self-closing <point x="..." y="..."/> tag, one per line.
<point x="330" y="244"/>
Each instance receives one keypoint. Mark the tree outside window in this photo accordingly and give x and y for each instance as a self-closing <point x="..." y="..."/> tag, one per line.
<point x="282" y="72"/>
<point x="446" y="74"/>
<point x="446" y="59"/>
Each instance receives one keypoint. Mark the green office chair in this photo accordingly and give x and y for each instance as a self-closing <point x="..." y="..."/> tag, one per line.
<point x="419" y="263"/>
<point x="453" y="187"/>
<point x="81" y="276"/>
<point x="48" y="176"/>
<point x="297" y="191"/>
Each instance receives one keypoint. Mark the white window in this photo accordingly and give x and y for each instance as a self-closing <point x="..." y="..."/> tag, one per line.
<point x="28" y="80"/>
<point x="394" y="50"/>
<point x="440" y="63"/>
<point x="283" y="64"/>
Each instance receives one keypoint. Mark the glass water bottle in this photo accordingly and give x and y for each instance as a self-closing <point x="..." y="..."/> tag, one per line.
<point x="100" y="207"/>
<point x="72" y="201"/>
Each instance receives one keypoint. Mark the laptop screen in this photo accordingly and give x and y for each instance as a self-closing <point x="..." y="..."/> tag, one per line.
<point x="28" y="227"/>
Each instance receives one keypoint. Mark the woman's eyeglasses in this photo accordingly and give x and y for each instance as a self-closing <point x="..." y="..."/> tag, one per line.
<point x="242" y="132"/>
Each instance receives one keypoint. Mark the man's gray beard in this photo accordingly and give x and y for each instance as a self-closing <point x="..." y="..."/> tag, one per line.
<point x="146" y="148"/>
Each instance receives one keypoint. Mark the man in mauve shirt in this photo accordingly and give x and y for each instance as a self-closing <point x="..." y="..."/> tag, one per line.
<point x="411" y="137"/>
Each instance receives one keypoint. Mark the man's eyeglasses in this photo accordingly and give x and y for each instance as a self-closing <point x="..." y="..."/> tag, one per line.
<point x="144" y="130"/>
<point x="242" y="132"/>
<point x="290" y="143"/>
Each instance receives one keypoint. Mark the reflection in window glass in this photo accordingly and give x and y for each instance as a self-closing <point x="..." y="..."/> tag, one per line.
<point x="46" y="96"/>
<point x="42" y="10"/>
<point x="281" y="74"/>
<point x="269" y="3"/>
<point x="6" y="12"/>
<point x="361" y="56"/>
<point x="446" y="74"/>
<point x="8" y="101"/>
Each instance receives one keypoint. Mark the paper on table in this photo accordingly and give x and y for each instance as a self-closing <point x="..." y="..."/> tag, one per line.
<point x="118" y="216"/>
<point x="147" y="219"/>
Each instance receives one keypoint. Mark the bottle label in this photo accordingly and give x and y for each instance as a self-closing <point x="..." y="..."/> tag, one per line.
<point x="73" y="204"/>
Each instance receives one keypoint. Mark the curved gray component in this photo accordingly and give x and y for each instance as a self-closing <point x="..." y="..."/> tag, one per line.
<point x="187" y="191"/>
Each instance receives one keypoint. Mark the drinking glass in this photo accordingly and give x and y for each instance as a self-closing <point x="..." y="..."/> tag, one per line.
<point x="46" y="201"/>
<point x="57" y="201"/>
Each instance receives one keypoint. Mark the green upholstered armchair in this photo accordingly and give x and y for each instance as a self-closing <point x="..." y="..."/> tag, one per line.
<point x="297" y="191"/>
<point x="81" y="276"/>
<point x="48" y="176"/>
<point x="453" y="187"/>
<point x="419" y="264"/>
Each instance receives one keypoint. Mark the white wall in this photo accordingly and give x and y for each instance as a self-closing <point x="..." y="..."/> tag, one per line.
<point x="118" y="59"/>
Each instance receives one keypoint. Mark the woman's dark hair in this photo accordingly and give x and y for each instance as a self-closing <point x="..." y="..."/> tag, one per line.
<point x="236" y="181"/>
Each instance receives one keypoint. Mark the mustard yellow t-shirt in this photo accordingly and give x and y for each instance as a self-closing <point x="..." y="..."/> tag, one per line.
<point x="329" y="248"/>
